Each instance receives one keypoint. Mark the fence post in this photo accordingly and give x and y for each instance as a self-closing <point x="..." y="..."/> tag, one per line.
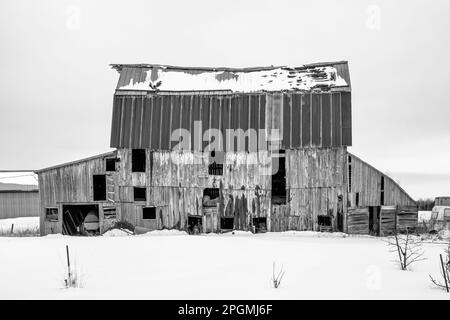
<point x="444" y="273"/>
<point x="12" y="228"/>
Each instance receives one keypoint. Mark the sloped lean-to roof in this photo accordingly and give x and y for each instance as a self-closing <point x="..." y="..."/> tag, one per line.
<point x="312" y="77"/>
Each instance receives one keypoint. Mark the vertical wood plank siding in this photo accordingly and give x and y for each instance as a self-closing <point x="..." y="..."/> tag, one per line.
<point x="70" y="184"/>
<point x="366" y="180"/>
<point x="19" y="204"/>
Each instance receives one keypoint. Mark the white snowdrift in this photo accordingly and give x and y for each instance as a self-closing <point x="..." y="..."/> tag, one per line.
<point x="318" y="266"/>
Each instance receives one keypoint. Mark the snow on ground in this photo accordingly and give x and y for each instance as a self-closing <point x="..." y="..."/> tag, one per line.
<point x="226" y="266"/>
<point x="21" y="225"/>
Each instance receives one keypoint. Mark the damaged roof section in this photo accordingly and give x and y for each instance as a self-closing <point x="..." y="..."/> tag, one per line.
<point x="313" y="77"/>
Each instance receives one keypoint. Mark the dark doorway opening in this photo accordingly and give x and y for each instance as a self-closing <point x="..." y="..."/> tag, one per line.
<point x="195" y="225"/>
<point x="226" y="223"/>
<point x="374" y="220"/>
<point x="279" y="178"/>
<point x="340" y="214"/>
<point x="80" y="220"/>
<point x="324" y="223"/>
<point x="260" y="225"/>
<point x="99" y="183"/>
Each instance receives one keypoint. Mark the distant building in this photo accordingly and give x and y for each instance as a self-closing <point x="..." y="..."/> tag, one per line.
<point x="442" y="201"/>
<point x="19" y="195"/>
<point x="318" y="184"/>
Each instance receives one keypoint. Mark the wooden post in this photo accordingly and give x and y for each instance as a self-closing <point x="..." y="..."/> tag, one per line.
<point x="12" y="228"/>
<point x="68" y="267"/>
<point x="444" y="273"/>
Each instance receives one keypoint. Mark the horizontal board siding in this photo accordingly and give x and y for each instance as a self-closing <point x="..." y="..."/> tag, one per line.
<point x="358" y="221"/>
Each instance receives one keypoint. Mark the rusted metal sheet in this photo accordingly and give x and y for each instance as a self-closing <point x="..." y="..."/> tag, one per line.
<point x="316" y="120"/>
<point x="336" y="119"/>
<point x="346" y="115"/>
<point x="326" y="120"/>
<point x="306" y="120"/>
<point x="149" y="121"/>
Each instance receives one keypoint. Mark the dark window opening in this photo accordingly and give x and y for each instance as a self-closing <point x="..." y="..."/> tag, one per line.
<point x="51" y="214"/>
<point x="99" y="182"/>
<point x="215" y="169"/>
<point x="211" y="197"/>
<point x="227" y="223"/>
<point x="260" y="225"/>
<point x="109" y="212"/>
<point x="138" y="160"/>
<point x="279" y="179"/>
<point x="349" y="174"/>
<point x="340" y="214"/>
<point x="382" y="191"/>
<point x="357" y="199"/>
<point x="149" y="213"/>
<point x="140" y="194"/>
<point x="80" y="220"/>
<point x="324" y="221"/>
<point x="110" y="164"/>
<point x="195" y="225"/>
<point x="215" y="166"/>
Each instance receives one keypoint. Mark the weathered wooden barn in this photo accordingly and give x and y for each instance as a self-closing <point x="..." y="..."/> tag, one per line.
<point x="287" y="169"/>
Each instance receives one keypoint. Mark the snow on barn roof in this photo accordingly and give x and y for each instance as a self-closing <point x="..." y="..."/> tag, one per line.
<point x="18" y="181"/>
<point x="311" y="77"/>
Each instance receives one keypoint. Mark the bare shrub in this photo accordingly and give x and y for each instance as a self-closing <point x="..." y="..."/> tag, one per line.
<point x="445" y="271"/>
<point x="276" y="280"/>
<point x="408" y="248"/>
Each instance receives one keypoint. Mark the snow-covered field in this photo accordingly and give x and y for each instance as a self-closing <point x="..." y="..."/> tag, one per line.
<point x="22" y="226"/>
<point x="173" y="265"/>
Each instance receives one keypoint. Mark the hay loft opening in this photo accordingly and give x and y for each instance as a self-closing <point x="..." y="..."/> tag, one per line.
<point x="195" y="225"/>
<point x="110" y="164"/>
<point x="140" y="194"/>
<point x="138" y="160"/>
<point x="80" y="220"/>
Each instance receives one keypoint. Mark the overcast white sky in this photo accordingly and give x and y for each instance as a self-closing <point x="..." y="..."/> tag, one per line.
<point x="56" y="87"/>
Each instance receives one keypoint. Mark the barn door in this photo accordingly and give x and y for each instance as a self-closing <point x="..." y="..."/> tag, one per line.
<point x="358" y="220"/>
<point x="210" y="217"/>
<point x="388" y="220"/>
<point x="407" y="218"/>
